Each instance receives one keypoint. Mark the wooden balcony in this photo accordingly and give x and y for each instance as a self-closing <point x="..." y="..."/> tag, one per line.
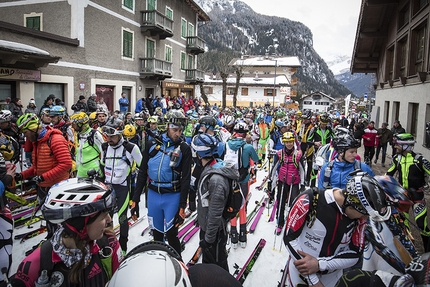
<point x="195" y="45"/>
<point x="194" y="76"/>
<point x="155" y="69"/>
<point x="156" y="23"/>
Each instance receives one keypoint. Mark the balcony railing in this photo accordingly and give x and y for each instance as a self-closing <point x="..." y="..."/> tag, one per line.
<point x="155" y="69"/>
<point x="157" y="24"/>
<point x="195" y="45"/>
<point x="194" y="76"/>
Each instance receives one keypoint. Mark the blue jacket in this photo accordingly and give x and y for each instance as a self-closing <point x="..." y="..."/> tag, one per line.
<point x="123" y="104"/>
<point x="139" y="106"/>
<point x="340" y="173"/>
<point x="248" y="152"/>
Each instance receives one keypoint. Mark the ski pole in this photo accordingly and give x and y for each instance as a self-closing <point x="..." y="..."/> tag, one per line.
<point x="288" y="206"/>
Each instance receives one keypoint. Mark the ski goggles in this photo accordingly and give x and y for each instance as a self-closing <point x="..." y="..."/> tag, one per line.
<point x="110" y="131"/>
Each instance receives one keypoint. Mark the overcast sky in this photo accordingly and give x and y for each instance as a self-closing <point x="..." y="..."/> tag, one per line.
<point x="333" y="22"/>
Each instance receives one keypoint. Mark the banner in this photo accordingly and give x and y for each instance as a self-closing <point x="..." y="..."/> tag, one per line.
<point x="347" y="101"/>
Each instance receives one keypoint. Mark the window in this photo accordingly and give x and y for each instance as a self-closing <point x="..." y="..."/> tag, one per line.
<point x="418" y="5"/>
<point x="169" y="13"/>
<point x="244" y="92"/>
<point x="190" y="30"/>
<point x="269" y="92"/>
<point x="386" y="110"/>
<point x="129" y="4"/>
<point x="183" y="28"/>
<point x="151" y="4"/>
<point x="183" y="60"/>
<point x="307" y="102"/>
<point x="33" y="21"/>
<point x="389" y="65"/>
<point x="401" y="57"/>
<point x="127" y="44"/>
<point x="396" y="110"/>
<point x="208" y="90"/>
<point x="231" y="91"/>
<point x="403" y="16"/>
<point x="150" y="48"/>
<point x="413" y="120"/>
<point x="418" y="49"/>
<point x="190" y="62"/>
<point x="168" y="57"/>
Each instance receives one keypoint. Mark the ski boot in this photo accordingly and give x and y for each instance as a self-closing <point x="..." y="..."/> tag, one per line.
<point x="233" y="237"/>
<point x="242" y="235"/>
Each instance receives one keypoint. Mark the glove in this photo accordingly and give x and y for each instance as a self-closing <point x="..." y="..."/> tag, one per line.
<point x="134" y="210"/>
<point x="18" y="177"/>
<point x="204" y="244"/>
<point x="302" y="187"/>
<point x="179" y="218"/>
<point x="38" y="179"/>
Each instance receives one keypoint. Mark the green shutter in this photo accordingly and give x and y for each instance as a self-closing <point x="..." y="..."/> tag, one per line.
<point x="128" y="4"/>
<point x="151" y="4"/>
<point x="127" y="47"/>
<point x="183" y="60"/>
<point x="33" y="23"/>
<point x="183" y="28"/>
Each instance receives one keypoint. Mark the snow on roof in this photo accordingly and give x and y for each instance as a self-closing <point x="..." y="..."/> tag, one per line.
<point x="263" y="61"/>
<point x="280" y="80"/>
<point x="18" y="47"/>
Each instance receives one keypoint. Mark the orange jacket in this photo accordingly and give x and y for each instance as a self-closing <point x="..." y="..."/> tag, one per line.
<point x="52" y="162"/>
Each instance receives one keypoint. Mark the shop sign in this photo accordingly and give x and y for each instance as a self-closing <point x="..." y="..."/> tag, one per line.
<point x="19" y="74"/>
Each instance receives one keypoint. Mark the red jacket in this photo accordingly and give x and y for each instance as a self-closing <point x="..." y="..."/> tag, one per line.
<point x="52" y="161"/>
<point x="369" y="137"/>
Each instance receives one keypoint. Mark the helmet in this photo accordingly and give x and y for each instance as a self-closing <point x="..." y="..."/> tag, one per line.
<point x="324" y="119"/>
<point x="189" y="113"/>
<point x="405" y="140"/>
<point x="176" y="117"/>
<point x="102" y="111"/>
<point x="27" y="121"/>
<point x="396" y="193"/>
<point x="45" y="111"/>
<point x="280" y="123"/>
<point x="288" y="137"/>
<point x="367" y="196"/>
<point x="129" y="131"/>
<point x="160" y="264"/>
<point x="5" y="116"/>
<point x="57" y="111"/>
<point x="205" y="145"/>
<point x="299" y="113"/>
<point x="345" y="142"/>
<point x="138" y="116"/>
<point x="241" y="128"/>
<point x="339" y="131"/>
<point x="228" y="121"/>
<point x="307" y="115"/>
<point x="113" y="127"/>
<point x="208" y="122"/>
<point x="79" y="118"/>
<point x="77" y="197"/>
<point x="153" y="119"/>
<point x="158" y="109"/>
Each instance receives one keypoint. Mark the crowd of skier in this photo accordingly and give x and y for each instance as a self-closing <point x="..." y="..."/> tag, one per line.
<point x="341" y="224"/>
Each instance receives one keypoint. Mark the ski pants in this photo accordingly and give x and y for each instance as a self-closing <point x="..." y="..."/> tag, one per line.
<point x="283" y="197"/>
<point x="122" y="194"/>
<point x="217" y="252"/>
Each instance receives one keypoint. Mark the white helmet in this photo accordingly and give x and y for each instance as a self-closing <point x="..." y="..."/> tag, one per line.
<point x="155" y="262"/>
<point x="228" y="121"/>
<point x="5" y="116"/>
<point x="77" y="197"/>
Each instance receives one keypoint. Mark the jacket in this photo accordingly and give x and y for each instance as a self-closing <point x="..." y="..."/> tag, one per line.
<point x="340" y="173"/>
<point x="32" y="110"/>
<point x="385" y="136"/>
<point x="213" y="192"/>
<point x="52" y="161"/>
<point x="248" y="153"/>
<point x="369" y="137"/>
<point x="289" y="166"/>
<point x="92" y="105"/>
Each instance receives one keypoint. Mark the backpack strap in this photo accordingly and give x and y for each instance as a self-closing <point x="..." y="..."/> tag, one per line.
<point x="327" y="174"/>
<point x="46" y="262"/>
<point x="312" y="214"/>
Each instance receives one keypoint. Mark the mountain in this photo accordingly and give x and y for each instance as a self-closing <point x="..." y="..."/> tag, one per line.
<point x="236" y="26"/>
<point x="358" y="84"/>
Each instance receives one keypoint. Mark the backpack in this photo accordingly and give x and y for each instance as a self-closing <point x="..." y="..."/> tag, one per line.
<point x="327" y="172"/>
<point x="128" y="147"/>
<point x="234" y="158"/>
<point x="235" y="198"/>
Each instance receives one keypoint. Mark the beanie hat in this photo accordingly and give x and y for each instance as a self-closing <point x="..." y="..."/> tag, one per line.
<point x="81" y="97"/>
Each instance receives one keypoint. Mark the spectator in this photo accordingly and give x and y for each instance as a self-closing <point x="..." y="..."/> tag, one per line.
<point x="123" y="103"/>
<point x="31" y="108"/>
<point x="369" y="142"/>
<point x="395" y="130"/>
<point x="80" y="106"/>
<point x="16" y="109"/>
<point x="91" y="103"/>
<point x="49" y="102"/>
<point x="358" y="132"/>
<point x="139" y="106"/>
<point x="102" y="105"/>
<point x="149" y="104"/>
<point x="163" y="104"/>
<point x="385" y="136"/>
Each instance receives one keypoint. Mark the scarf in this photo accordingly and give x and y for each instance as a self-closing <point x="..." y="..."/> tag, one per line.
<point x="69" y="256"/>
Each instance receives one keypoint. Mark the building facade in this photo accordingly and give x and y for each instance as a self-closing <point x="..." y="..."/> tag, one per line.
<point x="317" y="102"/>
<point x="105" y="47"/>
<point x="392" y="41"/>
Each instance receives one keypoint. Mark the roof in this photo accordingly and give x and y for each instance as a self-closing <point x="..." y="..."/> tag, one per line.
<point x="249" y="80"/>
<point x="319" y="93"/>
<point x="372" y="31"/>
<point x="265" y="61"/>
<point x="202" y="14"/>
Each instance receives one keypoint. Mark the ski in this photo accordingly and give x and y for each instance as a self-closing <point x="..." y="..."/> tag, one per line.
<point x="284" y="276"/>
<point x="272" y="215"/>
<point x="30" y="234"/>
<point x="193" y="261"/>
<point x="257" y="217"/>
<point x="252" y="214"/>
<point x="187" y="227"/>
<point x="144" y="231"/>
<point x="26" y="221"/>
<point x="131" y="223"/>
<point x="189" y="235"/>
<point x="263" y="183"/>
<point x="242" y="273"/>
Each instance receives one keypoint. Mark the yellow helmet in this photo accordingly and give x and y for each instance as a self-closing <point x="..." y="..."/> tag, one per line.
<point x="153" y="119"/>
<point x="93" y="116"/>
<point x="129" y="131"/>
<point x="288" y="137"/>
<point x="79" y="118"/>
<point x="299" y="113"/>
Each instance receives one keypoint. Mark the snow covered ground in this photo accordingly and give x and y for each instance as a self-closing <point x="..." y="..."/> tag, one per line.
<point x="266" y="271"/>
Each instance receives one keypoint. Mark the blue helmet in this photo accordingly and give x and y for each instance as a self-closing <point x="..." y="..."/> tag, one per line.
<point x="205" y="145"/>
<point x="57" y="111"/>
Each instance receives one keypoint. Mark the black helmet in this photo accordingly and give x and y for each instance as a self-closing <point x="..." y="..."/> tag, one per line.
<point x="367" y="196"/>
<point x="307" y="115"/>
<point x="345" y="142"/>
<point x="241" y="128"/>
<point x="208" y="121"/>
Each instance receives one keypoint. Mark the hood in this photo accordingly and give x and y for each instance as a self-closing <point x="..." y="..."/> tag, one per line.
<point x="49" y="131"/>
<point x="236" y="144"/>
<point x="220" y="168"/>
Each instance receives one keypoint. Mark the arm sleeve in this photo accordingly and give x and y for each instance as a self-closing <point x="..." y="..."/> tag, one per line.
<point x="218" y="192"/>
<point x="186" y="163"/>
<point x="61" y="153"/>
<point x="321" y="176"/>
<point x="142" y="174"/>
